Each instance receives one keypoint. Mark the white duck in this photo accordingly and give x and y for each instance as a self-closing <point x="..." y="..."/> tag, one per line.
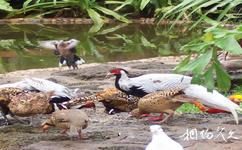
<point x="161" y="141"/>
<point x="148" y="83"/>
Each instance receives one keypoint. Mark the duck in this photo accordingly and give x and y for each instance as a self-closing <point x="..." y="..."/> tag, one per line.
<point x="72" y="119"/>
<point x="66" y="50"/>
<point x="149" y="83"/>
<point x="161" y="140"/>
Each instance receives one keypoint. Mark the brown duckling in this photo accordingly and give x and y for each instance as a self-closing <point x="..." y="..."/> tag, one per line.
<point x="72" y="119"/>
<point x="160" y="102"/>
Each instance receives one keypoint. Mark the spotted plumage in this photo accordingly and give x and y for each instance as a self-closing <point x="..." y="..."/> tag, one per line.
<point x="111" y="98"/>
<point x="160" y="102"/>
<point x="31" y="103"/>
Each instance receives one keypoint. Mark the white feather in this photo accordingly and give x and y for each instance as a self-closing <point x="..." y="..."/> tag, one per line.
<point x="155" y="82"/>
<point x="50" y="44"/>
<point x="79" y="62"/>
<point x="46" y="86"/>
<point x="161" y="141"/>
<point x="213" y="99"/>
<point x="21" y="84"/>
<point x="71" y="43"/>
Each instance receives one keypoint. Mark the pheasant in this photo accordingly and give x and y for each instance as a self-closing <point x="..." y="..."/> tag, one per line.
<point x="148" y="83"/>
<point x="113" y="100"/>
<point x="6" y="95"/>
<point x="73" y="119"/>
<point x="33" y="96"/>
<point x="160" y="102"/>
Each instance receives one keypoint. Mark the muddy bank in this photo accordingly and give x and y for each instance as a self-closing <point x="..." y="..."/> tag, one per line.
<point x="118" y="131"/>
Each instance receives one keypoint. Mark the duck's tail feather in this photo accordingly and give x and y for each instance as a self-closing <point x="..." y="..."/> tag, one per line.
<point x="213" y="99"/>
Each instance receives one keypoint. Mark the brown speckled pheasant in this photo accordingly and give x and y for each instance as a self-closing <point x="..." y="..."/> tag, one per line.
<point x="113" y="99"/>
<point x="6" y="94"/>
<point x="160" y="102"/>
<point x="73" y="119"/>
<point x="31" y="103"/>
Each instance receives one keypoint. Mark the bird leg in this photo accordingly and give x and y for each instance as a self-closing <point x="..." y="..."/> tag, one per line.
<point x="145" y="115"/>
<point x="170" y="114"/>
<point x="154" y="118"/>
<point x="64" y="131"/>
<point x="80" y="134"/>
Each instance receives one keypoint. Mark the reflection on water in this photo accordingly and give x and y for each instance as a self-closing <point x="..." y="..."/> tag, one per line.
<point x="19" y="48"/>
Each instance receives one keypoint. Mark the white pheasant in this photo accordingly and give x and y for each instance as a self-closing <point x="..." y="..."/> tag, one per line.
<point x="161" y="141"/>
<point x="148" y="83"/>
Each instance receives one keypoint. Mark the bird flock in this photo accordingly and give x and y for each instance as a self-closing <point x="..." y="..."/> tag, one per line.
<point x="142" y="95"/>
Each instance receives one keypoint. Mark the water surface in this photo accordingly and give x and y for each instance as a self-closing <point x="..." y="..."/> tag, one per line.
<point x="115" y="42"/>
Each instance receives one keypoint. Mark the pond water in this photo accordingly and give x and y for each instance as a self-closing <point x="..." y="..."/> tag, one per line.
<point x="114" y="42"/>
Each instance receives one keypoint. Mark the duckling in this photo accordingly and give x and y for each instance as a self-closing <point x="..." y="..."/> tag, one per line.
<point x="160" y="102"/>
<point x="73" y="119"/>
<point x="66" y="50"/>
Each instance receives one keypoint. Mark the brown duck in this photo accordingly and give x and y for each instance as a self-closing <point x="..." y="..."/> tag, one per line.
<point x="72" y="119"/>
<point x="160" y="102"/>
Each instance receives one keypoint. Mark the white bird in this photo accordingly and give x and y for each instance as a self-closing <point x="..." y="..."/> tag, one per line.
<point x="161" y="141"/>
<point x="67" y="51"/>
<point x="148" y="83"/>
<point x="61" y="93"/>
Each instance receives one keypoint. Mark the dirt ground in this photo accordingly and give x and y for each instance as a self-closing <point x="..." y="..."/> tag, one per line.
<point x="118" y="131"/>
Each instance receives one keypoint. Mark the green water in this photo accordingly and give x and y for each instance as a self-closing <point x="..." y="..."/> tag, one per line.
<point x="115" y="42"/>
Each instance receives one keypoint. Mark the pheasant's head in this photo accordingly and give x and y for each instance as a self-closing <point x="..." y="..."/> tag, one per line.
<point x="116" y="72"/>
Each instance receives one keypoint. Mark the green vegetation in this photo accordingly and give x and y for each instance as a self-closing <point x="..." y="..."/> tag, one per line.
<point x="206" y="66"/>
